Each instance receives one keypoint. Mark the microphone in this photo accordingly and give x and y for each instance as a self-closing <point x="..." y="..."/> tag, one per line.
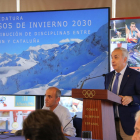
<point x="109" y="87"/>
<point x="91" y="78"/>
<point x="69" y="121"/>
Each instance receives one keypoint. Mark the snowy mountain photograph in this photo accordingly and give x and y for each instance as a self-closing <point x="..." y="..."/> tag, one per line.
<point x="66" y="61"/>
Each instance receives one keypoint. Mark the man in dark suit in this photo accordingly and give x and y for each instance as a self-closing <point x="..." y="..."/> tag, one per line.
<point x="128" y="88"/>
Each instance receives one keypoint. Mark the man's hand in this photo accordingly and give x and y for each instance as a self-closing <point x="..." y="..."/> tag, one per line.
<point x="126" y="100"/>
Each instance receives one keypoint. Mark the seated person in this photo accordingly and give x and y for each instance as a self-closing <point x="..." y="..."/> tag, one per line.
<point x="42" y="125"/>
<point x="52" y="103"/>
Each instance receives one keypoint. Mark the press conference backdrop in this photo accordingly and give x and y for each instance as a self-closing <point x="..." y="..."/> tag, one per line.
<point x="121" y="36"/>
<point x="14" y="109"/>
<point x="53" y="48"/>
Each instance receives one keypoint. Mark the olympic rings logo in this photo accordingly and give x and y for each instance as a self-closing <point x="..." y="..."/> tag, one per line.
<point x="88" y="93"/>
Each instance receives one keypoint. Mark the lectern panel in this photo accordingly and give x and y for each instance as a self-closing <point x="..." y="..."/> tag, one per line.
<point x="92" y="118"/>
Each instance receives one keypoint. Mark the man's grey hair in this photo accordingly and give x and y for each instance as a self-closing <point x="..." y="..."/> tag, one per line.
<point x="124" y="52"/>
<point x="58" y="92"/>
<point x="137" y="115"/>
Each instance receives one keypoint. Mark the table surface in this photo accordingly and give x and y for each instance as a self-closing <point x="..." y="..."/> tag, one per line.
<point x="13" y="137"/>
<point x="9" y="136"/>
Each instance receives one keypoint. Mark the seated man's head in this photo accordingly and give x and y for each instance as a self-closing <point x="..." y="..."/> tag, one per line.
<point x="52" y="97"/>
<point x="42" y="125"/>
<point x="136" y="135"/>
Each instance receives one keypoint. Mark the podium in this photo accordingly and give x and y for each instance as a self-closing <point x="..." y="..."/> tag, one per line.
<point x="98" y="115"/>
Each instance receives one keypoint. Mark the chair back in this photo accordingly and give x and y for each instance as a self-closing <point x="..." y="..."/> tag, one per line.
<point x="77" y="123"/>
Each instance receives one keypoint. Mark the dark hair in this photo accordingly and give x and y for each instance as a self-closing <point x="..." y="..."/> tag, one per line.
<point x="42" y="125"/>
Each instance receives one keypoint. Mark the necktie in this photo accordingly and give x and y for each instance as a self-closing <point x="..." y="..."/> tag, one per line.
<point x="115" y="86"/>
<point x="114" y="90"/>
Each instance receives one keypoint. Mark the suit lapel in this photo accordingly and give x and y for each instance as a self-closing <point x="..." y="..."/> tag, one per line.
<point x="125" y="79"/>
<point x="110" y="80"/>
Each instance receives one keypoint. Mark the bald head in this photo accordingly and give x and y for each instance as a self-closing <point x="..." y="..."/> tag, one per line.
<point x="56" y="90"/>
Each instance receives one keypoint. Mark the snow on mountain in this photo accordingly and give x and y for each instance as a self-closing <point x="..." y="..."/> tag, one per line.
<point x="16" y="60"/>
<point x="6" y="58"/>
<point x="76" y="78"/>
<point x="44" y="47"/>
<point x="57" y="62"/>
<point x="97" y="82"/>
<point x="29" y="55"/>
<point x="12" y="64"/>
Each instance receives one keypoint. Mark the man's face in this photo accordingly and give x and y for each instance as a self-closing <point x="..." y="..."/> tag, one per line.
<point x="51" y="100"/>
<point x="118" y="61"/>
<point x="132" y="27"/>
<point x="136" y="135"/>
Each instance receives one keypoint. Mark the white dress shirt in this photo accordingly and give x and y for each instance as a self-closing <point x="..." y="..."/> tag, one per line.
<point x="120" y="79"/>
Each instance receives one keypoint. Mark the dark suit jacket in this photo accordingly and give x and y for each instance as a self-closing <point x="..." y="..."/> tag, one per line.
<point x="130" y="86"/>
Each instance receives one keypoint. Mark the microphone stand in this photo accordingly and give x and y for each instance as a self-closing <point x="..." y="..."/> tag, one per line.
<point x="90" y="78"/>
<point x="70" y="121"/>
